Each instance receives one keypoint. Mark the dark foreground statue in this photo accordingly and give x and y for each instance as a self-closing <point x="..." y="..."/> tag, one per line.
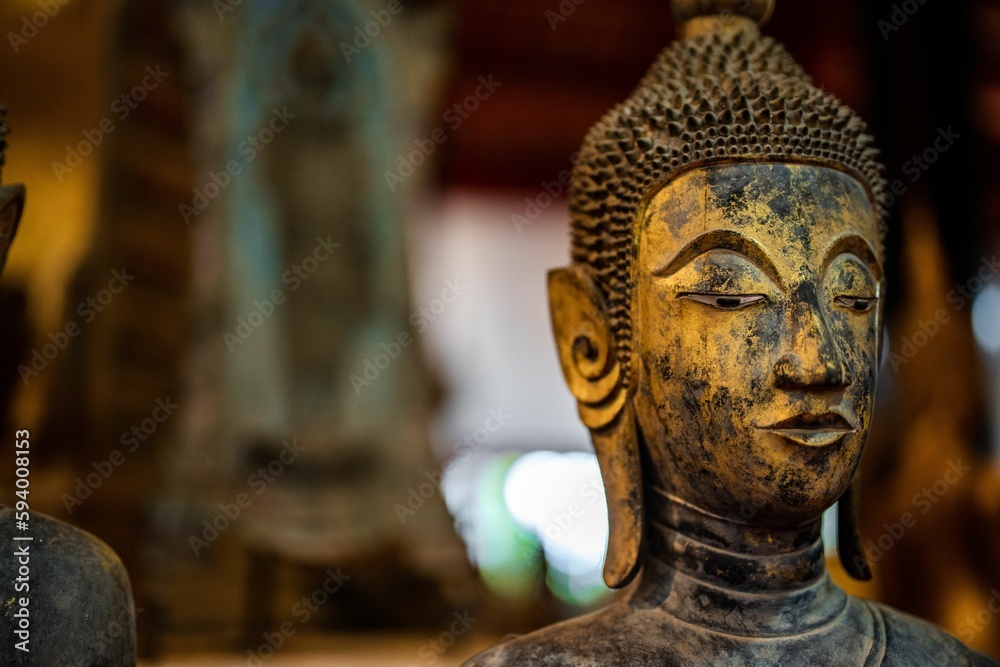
<point x="65" y="598"/>
<point x="80" y="605"/>
<point x="721" y="328"/>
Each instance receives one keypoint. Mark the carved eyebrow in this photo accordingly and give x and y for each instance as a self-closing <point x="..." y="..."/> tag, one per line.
<point x="721" y="239"/>
<point x="858" y="246"/>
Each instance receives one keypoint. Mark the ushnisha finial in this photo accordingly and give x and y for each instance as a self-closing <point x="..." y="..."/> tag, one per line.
<point x="757" y="10"/>
<point x="697" y="16"/>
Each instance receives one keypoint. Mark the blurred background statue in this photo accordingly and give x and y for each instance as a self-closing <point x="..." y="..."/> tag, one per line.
<point x="306" y="342"/>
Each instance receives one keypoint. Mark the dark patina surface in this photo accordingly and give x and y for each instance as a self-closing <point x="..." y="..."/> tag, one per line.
<point x="80" y="598"/>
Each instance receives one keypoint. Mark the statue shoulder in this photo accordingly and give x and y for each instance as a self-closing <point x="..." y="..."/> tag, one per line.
<point x="580" y="642"/>
<point x="55" y="543"/>
<point x="913" y="641"/>
<point x="608" y="638"/>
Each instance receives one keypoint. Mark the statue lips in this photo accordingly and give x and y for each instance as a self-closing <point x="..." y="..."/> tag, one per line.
<point x="813" y="430"/>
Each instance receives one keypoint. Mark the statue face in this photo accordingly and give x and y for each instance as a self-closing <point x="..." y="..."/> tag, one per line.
<point x="757" y="327"/>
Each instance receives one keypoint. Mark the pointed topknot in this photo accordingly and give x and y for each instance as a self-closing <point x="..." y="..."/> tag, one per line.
<point x="690" y="12"/>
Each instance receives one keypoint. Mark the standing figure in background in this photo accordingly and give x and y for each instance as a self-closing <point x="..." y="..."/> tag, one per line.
<point x="316" y="347"/>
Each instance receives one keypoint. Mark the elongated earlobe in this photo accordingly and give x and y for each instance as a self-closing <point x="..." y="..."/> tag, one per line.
<point x="586" y="348"/>
<point x="617" y="449"/>
<point x="849" y="544"/>
<point x="849" y="547"/>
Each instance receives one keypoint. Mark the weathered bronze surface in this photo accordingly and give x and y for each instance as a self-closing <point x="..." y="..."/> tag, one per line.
<point x="720" y="327"/>
<point x="79" y="597"/>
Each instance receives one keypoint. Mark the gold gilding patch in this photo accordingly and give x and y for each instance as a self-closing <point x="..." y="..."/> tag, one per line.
<point x="756" y="335"/>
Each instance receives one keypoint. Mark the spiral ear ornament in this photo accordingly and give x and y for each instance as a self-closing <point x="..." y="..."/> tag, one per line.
<point x="586" y="346"/>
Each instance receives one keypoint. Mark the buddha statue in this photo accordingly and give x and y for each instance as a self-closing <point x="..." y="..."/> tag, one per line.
<point x="721" y="327"/>
<point x="66" y="597"/>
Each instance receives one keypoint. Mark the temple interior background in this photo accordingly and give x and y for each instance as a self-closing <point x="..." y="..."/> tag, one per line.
<point x="276" y="313"/>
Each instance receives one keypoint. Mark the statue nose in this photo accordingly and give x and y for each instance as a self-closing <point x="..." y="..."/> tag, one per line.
<point x="811" y="359"/>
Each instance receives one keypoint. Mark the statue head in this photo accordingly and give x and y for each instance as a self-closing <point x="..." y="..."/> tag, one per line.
<point x="11" y="197"/>
<point x="720" y="324"/>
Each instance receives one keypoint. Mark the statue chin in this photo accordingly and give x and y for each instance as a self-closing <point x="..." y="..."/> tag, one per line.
<point x="752" y="495"/>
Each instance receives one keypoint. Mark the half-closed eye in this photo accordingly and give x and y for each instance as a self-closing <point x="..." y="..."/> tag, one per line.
<point x="857" y="304"/>
<point x="725" y="301"/>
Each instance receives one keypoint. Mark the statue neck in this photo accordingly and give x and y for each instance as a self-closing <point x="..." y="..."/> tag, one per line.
<point x="732" y="576"/>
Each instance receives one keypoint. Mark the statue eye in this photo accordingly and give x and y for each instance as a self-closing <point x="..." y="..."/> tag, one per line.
<point x="855" y="303"/>
<point x="726" y="301"/>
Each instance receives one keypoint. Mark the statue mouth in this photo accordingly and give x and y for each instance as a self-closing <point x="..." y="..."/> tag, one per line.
<point x="813" y="430"/>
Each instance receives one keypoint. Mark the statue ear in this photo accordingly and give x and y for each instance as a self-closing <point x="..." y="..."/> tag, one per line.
<point x="586" y="346"/>
<point x="849" y="547"/>
<point x="11" y="206"/>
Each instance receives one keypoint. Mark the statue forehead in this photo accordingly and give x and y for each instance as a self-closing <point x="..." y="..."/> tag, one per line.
<point x="779" y="200"/>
